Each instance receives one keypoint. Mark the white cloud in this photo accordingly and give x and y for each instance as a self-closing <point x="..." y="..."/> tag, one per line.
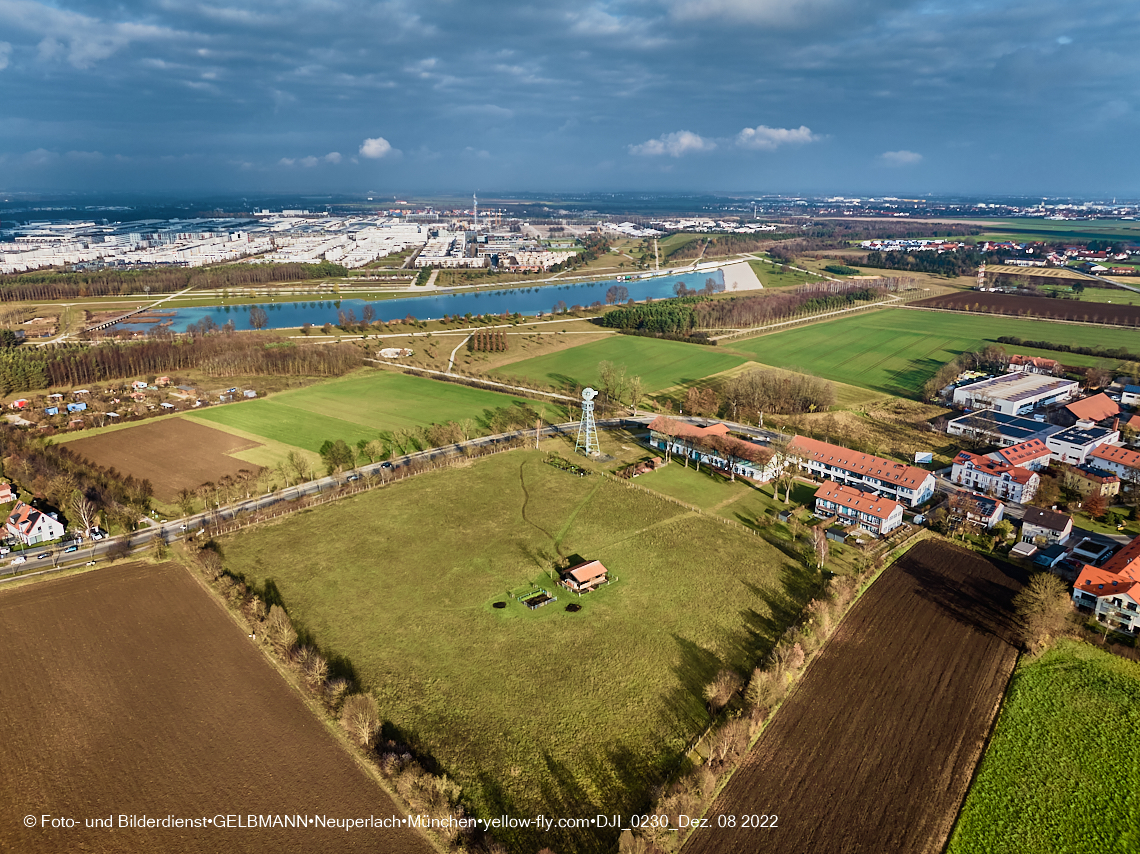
<point x="5" y="54"/>
<point x="82" y="39"/>
<point x="376" y="148"/>
<point x="765" y="12"/>
<point x="286" y="161"/>
<point x="900" y="158"/>
<point x="309" y="161"/>
<point x="673" y="144"/>
<point x="333" y="157"/>
<point x="769" y="139"/>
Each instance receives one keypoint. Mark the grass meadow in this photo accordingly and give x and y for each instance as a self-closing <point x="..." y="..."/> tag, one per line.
<point x="896" y="351"/>
<point x="660" y="364"/>
<point x="361" y="406"/>
<point x="546" y="711"/>
<point x="1060" y="772"/>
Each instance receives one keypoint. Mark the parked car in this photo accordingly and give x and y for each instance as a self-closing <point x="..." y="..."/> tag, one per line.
<point x="4" y="550"/>
<point x="19" y="559"/>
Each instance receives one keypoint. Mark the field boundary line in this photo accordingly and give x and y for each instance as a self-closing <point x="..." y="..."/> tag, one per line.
<point x="759" y="330"/>
<point x="498" y="385"/>
<point x="1019" y="317"/>
<point x="338" y="734"/>
<point x="902" y="548"/>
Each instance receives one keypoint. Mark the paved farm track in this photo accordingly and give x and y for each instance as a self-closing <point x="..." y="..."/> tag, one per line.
<point x="875" y="749"/>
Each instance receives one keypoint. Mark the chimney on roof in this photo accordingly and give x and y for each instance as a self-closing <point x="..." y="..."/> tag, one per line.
<point x="1116" y="423"/>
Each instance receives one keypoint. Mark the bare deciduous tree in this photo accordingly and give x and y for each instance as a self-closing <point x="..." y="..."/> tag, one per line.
<point x="1041" y="607"/>
<point x="361" y="717"/>
<point x="720" y="690"/>
<point x="85" y="511"/>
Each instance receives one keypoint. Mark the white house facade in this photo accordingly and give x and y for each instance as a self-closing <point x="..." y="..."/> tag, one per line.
<point x="30" y="526"/>
<point x="877" y="514"/>
<point x="908" y="485"/>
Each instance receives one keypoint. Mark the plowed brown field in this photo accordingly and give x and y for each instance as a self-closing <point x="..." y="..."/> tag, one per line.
<point x="875" y="749"/>
<point x="173" y="454"/>
<point x="129" y="691"/>
<point x="1040" y="307"/>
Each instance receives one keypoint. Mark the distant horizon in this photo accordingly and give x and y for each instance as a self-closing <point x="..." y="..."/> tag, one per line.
<point x="252" y="197"/>
<point x="803" y="97"/>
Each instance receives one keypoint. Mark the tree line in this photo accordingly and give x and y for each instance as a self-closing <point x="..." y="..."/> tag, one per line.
<point x="1105" y="352"/>
<point x="76" y="486"/>
<point x="237" y="354"/>
<point x="54" y="284"/>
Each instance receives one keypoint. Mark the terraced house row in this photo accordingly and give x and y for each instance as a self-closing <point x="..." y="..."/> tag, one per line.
<point x="909" y="485"/>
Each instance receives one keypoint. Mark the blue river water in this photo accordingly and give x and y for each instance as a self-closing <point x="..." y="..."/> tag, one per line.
<point x="526" y="301"/>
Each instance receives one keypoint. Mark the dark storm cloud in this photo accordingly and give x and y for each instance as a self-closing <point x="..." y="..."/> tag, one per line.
<point x="801" y="95"/>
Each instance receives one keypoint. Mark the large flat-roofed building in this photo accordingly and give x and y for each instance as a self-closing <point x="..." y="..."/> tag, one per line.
<point x="1075" y="444"/>
<point x="1003" y="430"/>
<point x="1016" y="393"/>
<point x="908" y="485"/>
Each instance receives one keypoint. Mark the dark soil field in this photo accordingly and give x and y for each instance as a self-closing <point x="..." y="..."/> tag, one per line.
<point x="172" y="453"/>
<point x="874" y="750"/>
<point x="1044" y="308"/>
<point x="129" y="691"/>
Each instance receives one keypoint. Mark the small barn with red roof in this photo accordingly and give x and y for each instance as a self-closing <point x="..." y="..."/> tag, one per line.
<point x="584" y="577"/>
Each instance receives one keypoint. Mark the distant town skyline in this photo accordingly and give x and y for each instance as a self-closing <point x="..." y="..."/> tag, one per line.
<point x="793" y="96"/>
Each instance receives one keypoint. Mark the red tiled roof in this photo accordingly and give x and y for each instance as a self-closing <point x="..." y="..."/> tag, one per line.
<point x="1036" y="361"/>
<point x="23" y="517"/>
<point x="997" y="468"/>
<point x="673" y="427"/>
<point x="586" y="572"/>
<point x="1120" y="574"/>
<point x="728" y="444"/>
<point x="1095" y="408"/>
<point x="1117" y="454"/>
<point x="864" y="464"/>
<point x="1024" y="452"/>
<point x="856" y="499"/>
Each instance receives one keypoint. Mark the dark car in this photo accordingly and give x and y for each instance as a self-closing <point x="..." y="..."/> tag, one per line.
<point x="43" y="555"/>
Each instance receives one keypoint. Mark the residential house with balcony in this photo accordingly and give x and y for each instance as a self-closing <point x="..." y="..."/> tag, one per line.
<point x="876" y="514"/>
<point x="1112" y="591"/>
<point x="994" y="477"/>
<point x="909" y="485"/>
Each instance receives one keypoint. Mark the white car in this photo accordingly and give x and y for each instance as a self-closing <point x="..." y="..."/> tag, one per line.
<point x="19" y="559"/>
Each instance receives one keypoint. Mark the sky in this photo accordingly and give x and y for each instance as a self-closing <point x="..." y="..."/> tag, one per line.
<point x="741" y="96"/>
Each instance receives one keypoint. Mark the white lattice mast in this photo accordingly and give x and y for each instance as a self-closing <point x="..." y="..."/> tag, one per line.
<point x="587" y="441"/>
<point x="982" y="276"/>
<point x="475" y="202"/>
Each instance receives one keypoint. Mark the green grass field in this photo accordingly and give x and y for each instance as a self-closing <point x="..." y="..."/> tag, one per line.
<point x="1106" y="295"/>
<point x="1061" y="772"/>
<point x="771" y="275"/>
<point x="361" y="407"/>
<point x="567" y="714"/>
<point x="660" y="364"/>
<point x="896" y="351"/>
